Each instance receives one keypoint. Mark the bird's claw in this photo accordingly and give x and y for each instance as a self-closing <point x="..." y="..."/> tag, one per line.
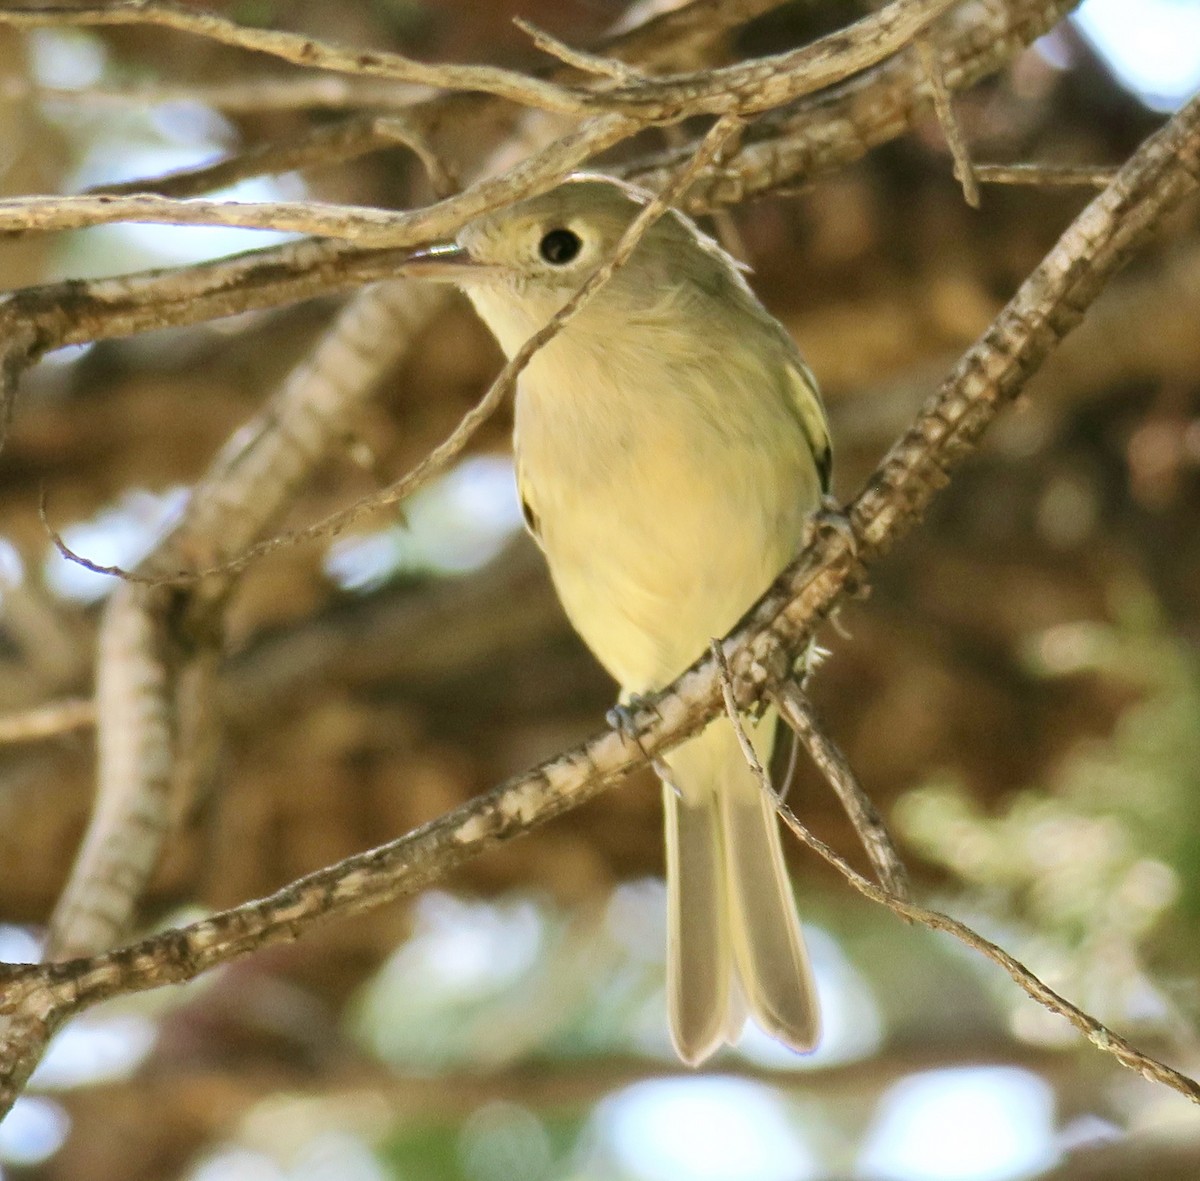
<point x="830" y="517"/>
<point x="622" y="715"/>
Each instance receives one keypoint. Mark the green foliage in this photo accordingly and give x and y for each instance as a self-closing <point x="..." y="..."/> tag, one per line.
<point x="1098" y="866"/>
<point x="496" y="1142"/>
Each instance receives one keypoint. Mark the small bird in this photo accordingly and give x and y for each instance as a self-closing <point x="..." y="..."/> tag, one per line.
<point x="670" y="447"/>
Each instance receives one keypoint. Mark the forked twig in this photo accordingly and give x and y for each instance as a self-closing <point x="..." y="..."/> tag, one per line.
<point x="797" y="710"/>
<point x="1097" y="1033"/>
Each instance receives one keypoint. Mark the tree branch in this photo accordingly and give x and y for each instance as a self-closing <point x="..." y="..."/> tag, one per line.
<point x="320" y="146"/>
<point x="1098" y="1034"/>
<point x="826" y="131"/>
<point x="53" y="315"/>
<point x="302" y="51"/>
<point x="796" y="709"/>
<point x="741" y="89"/>
<point x="833" y="129"/>
<point x="47" y="721"/>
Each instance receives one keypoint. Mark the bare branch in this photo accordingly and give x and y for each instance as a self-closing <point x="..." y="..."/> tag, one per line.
<point x="330" y="92"/>
<point x="47" y="721"/>
<point x="944" y="107"/>
<point x="829" y="130"/>
<point x="317" y="147"/>
<point x="53" y="315"/>
<point x="1099" y="1035"/>
<point x="742" y="89"/>
<point x="729" y="698"/>
<point x="302" y="51"/>
<point x="578" y="59"/>
<point x="797" y="711"/>
<point x="676" y="37"/>
<point x="1093" y="176"/>
<point x="371" y="227"/>
<point x="140" y="673"/>
<point x="898" y="902"/>
<point x="683" y="33"/>
<point x="752" y="87"/>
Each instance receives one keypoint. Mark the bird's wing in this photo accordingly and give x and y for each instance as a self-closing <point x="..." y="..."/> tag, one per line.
<point x="805" y="401"/>
<point x="527" y="510"/>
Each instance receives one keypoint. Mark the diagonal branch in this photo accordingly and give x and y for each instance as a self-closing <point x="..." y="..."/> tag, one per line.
<point x="899" y="903"/>
<point x="1098" y="1034"/>
<point x="301" y="50"/>
<point x="813" y="135"/>
<point x="752" y="87"/>
<point x="796" y="709"/>
<point x="372" y="227"/>
<point x="1164" y="170"/>
<point x="52" y="315"/>
<point x="740" y="89"/>
<point x="320" y="146"/>
<point x="828" y="130"/>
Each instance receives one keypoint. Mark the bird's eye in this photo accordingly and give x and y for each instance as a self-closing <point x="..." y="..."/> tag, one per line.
<point x="558" y="247"/>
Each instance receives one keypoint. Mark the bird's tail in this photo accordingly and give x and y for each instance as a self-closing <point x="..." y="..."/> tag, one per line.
<point x="733" y="936"/>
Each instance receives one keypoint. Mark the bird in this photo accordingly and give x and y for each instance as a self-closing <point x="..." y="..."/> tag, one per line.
<point x="671" y="447"/>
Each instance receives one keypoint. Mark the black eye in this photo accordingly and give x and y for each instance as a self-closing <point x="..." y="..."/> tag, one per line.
<point x="559" y="246"/>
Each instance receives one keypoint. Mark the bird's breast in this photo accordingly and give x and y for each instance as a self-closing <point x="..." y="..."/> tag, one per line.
<point x="668" y="493"/>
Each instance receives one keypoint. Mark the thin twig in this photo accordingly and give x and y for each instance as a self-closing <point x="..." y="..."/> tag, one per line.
<point x="1093" y="176"/>
<point x="316" y="147"/>
<point x="900" y="903"/>
<point x="369" y="227"/>
<point x="796" y="709"/>
<point x="753" y="87"/>
<point x="47" y="721"/>
<point x="674" y="38"/>
<point x="944" y="107"/>
<point x="837" y="128"/>
<point x="587" y="63"/>
<point x="1099" y="1035"/>
<point x="742" y="89"/>
<point x="301" y="50"/>
<point x="320" y="92"/>
<point x="829" y="130"/>
<point x="65" y="550"/>
<point x="728" y="697"/>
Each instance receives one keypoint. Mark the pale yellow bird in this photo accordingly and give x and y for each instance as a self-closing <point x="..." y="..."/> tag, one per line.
<point x="670" y="446"/>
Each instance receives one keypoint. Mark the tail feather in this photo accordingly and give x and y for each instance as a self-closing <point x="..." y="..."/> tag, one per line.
<point x="734" y="941"/>
<point x="768" y="947"/>
<point x="698" y="980"/>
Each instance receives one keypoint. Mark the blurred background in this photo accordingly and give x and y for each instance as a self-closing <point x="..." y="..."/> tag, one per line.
<point x="1020" y="692"/>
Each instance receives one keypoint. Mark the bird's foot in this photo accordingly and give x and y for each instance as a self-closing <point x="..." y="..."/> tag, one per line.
<point x="621" y="716"/>
<point x="830" y="517"/>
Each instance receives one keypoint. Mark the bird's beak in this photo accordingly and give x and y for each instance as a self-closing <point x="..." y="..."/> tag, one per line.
<point x="447" y="262"/>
